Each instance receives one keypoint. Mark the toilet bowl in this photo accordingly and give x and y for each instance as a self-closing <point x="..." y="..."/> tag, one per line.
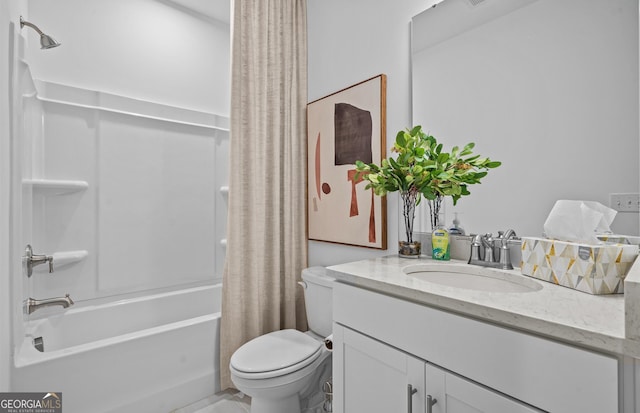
<point x="275" y="368"/>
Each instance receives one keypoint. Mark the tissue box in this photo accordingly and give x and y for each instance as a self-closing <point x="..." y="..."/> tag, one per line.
<point x="594" y="269"/>
<point x="620" y="239"/>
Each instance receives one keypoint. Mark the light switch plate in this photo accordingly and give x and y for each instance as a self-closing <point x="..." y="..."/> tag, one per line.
<point x="625" y="202"/>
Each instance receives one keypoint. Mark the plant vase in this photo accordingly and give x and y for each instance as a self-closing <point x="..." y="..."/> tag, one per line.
<point x="408" y="248"/>
<point x="423" y="170"/>
<point x="435" y="209"/>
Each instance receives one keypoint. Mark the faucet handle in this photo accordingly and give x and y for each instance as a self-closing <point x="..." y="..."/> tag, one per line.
<point x="476" y="243"/>
<point x="33" y="259"/>
<point x="505" y="257"/>
<point x="505" y="252"/>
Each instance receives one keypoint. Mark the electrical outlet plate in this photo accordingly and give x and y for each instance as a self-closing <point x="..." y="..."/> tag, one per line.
<point x="625" y="202"/>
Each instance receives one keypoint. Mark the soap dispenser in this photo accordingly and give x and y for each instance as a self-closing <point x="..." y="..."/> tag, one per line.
<point x="456" y="229"/>
<point x="441" y="250"/>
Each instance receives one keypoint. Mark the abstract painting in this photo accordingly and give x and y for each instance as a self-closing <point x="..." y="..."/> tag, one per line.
<point x="342" y="128"/>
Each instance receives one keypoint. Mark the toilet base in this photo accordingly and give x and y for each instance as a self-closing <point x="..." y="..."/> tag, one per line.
<point x="288" y="405"/>
<point x="286" y="393"/>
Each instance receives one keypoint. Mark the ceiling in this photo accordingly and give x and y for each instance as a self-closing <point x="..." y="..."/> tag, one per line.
<point x="216" y="9"/>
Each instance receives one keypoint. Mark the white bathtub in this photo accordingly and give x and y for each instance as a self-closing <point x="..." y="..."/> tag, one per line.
<point x="150" y="354"/>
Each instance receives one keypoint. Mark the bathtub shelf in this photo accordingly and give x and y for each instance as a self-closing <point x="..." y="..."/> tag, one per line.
<point x="55" y="186"/>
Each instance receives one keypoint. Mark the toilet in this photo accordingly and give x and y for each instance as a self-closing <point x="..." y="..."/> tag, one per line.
<point x="276" y="367"/>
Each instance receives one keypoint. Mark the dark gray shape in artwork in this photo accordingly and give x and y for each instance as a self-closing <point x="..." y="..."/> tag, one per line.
<point x="353" y="129"/>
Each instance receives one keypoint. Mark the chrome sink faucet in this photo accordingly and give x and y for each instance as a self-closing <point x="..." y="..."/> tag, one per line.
<point x="483" y="249"/>
<point x="32" y="304"/>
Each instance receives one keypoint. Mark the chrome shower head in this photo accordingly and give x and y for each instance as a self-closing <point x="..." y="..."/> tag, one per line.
<point x="46" y="41"/>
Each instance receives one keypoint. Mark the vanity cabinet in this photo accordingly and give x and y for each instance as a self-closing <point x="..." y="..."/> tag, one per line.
<point x="454" y="394"/>
<point x="378" y="378"/>
<point x="383" y="344"/>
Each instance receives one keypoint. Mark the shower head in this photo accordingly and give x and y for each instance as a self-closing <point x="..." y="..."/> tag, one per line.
<point x="46" y="41"/>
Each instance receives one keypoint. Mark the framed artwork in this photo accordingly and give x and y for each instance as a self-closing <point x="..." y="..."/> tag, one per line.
<point x="344" y="127"/>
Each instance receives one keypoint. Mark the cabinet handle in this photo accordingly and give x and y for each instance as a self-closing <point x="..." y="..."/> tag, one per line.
<point x="410" y="392"/>
<point x="430" y="402"/>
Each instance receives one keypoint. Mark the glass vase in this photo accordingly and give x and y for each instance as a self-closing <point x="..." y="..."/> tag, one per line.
<point x="408" y="247"/>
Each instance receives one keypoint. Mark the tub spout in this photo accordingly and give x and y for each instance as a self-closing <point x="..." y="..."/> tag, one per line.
<point x="33" y="304"/>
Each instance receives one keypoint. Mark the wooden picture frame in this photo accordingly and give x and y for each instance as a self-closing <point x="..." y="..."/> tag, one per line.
<point x="343" y="127"/>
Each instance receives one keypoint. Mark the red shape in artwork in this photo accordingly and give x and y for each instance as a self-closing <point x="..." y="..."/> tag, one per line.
<point x="326" y="188"/>
<point x="351" y="176"/>
<point x="372" y="221"/>
<point x="318" y="167"/>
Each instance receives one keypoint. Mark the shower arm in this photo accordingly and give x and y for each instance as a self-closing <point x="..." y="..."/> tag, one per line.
<point x="33" y="26"/>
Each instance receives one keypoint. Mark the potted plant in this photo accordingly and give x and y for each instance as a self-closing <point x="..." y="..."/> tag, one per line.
<point x="423" y="169"/>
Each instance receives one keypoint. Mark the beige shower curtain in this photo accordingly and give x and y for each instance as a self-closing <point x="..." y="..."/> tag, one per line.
<point x="266" y="235"/>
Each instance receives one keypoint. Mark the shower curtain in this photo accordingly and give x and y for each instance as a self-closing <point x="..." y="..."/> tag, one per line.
<point x="266" y="236"/>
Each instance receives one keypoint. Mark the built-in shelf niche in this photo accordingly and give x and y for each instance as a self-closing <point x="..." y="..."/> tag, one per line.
<point x="55" y="186"/>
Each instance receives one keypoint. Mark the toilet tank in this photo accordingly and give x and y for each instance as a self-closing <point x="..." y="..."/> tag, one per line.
<point x="318" y="298"/>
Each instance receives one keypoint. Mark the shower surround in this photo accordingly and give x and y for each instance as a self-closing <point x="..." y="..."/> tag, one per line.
<point x="129" y="198"/>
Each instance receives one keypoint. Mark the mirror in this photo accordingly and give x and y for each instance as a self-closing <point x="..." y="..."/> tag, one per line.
<point x="548" y="87"/>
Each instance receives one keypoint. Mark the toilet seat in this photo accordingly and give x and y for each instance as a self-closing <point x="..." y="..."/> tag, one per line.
<point x="275" y="354"/>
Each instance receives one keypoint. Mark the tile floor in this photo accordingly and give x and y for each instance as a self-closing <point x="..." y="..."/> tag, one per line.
<point x="235" y="402"/>
<point x="225" y="402"/>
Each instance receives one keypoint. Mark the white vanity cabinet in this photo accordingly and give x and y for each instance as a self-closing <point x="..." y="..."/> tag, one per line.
<point x="378" y="378"/>
<point x="454" y="394"/>
<point x="383" y="344"/>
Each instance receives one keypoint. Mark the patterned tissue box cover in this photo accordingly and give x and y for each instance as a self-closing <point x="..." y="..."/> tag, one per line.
<point x="594" y="269"/>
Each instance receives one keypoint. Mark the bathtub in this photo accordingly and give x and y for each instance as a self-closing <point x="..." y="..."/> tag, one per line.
<point x="150" y="354"/>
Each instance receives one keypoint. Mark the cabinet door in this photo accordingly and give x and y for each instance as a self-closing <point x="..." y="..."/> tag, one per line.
<point x="372" y="377"/>
<point x="454" y="394"/>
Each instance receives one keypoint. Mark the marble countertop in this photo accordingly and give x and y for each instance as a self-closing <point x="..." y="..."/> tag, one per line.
<point x="593" y="321"/>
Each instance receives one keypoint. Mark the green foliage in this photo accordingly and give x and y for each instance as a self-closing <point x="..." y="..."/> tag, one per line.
<point x="422" y="168"/>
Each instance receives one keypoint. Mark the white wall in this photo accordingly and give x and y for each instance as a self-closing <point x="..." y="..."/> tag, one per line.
<point x="350" y="41"/>
<point x="145" y="49"/>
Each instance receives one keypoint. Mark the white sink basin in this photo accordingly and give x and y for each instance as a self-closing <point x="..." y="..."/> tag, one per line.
<point x="471" y="277"/>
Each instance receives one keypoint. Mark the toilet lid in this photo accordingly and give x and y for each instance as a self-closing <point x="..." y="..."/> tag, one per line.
<point x="275" y="351"/>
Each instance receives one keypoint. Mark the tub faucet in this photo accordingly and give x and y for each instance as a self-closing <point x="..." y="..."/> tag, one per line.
<point x="33" y="304"/>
